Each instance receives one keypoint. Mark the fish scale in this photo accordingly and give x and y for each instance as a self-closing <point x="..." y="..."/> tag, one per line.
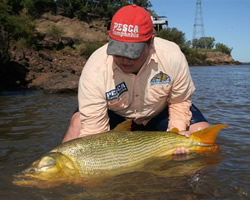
<point x="119" y="149"/>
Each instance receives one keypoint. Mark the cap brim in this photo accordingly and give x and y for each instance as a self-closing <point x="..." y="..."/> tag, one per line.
<point x="125" y="49"/>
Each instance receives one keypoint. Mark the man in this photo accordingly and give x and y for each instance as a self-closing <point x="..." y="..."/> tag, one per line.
<point x="135" y="76"/>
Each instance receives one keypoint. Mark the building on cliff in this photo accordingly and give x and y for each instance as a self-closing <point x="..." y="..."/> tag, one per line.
<point x="159" y="22"/>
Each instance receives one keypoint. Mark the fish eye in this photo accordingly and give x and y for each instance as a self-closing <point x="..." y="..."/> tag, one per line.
<point x="45" y="168"/>
<point x="46" y="163"/>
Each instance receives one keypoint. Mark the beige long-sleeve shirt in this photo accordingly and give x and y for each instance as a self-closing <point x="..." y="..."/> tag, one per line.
<point x="163" y="80"/>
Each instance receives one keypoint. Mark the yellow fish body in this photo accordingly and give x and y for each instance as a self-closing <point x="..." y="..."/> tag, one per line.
<point x="111" y="153"/>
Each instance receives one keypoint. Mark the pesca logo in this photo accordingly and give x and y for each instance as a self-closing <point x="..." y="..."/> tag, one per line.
<point x="116" y="92"/>
<point x="127" y="30"/>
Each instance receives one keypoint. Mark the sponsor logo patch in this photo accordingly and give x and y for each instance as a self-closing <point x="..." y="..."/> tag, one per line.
<point x="160" y="78"/>
<point x="117" y="92"/>
<point x="126" y="30"/>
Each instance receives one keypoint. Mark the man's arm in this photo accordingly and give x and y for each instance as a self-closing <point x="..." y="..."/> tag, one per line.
<point x="180" y="115"/>
<point x="180" y="98"/>
<point x="74" y="128"/>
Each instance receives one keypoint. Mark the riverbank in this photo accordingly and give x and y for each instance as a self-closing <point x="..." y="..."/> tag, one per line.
<point x="57" y="64"/>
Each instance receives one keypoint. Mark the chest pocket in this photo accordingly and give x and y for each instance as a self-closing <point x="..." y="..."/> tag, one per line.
<point x="158" y="93"/>
<point x="120" y="103"/>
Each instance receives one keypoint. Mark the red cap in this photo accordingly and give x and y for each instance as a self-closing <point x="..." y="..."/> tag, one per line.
<point x="131" y="23"/>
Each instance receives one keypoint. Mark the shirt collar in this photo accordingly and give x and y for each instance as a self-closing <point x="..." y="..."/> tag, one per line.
<point x="153" y="54"/>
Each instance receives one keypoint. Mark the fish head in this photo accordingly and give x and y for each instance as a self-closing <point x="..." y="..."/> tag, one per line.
<point x="54" y="167"/>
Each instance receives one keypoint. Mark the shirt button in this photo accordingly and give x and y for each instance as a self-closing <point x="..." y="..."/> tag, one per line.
<point x="137" y="95"/>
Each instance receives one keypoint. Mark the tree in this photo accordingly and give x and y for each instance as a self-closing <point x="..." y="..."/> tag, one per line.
<point x="19" y="27"/>
<point x="174" y="35"/>
<point x="203" y="43"/>
<point x="38" y="7"/>
<point x="223" y="48"/>
<point x="85" y="9"/>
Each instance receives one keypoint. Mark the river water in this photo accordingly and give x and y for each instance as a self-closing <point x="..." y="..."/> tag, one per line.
<point x="32" y="123"/>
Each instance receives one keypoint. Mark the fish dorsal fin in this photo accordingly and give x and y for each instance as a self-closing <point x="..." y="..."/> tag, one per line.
<point x="124" y="126"/>
<point x="175" y="130"/>
<point x="209" y="134"/>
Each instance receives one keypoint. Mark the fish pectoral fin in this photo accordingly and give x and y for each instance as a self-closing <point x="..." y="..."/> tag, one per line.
<point x="209" y="134"/>
<point x="124" y="126"/>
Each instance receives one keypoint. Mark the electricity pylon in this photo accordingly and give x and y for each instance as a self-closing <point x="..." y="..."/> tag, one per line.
<point x="198" y="30"/>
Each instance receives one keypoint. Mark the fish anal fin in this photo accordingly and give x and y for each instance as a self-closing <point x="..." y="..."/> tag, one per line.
<point x="209" y="134"/>
<point x="124" y="126"/>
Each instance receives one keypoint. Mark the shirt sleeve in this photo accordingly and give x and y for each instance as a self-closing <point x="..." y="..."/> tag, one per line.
<point x="91" y="96"/>
<point x="93" y="109"/>
<point x="180" y="97"/>
<point x="179" y="115"/>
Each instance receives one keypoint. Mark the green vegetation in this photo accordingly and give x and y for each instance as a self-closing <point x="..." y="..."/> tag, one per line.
<point x="17" y="18"/>
<point x="18" y="24"/>
<point x="55" y="31"/>
<point x="193" y="52"/>
<point x="203" y="43"/>
<point x="208" y="43"/>
<point x="223" y="48"/>
<point x="174" y="35"/>
<point x="87" y="49"/>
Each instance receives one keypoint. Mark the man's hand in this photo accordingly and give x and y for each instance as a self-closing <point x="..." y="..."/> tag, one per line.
<point x="182" y="150"/>
<point x="186" y="133"/>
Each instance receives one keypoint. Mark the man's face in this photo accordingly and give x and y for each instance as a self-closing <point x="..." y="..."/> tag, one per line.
<point x="128" y="65"/>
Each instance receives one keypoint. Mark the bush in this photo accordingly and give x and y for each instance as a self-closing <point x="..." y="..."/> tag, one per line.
<point x="21" y="28"/>
<point x="194" y="57"/>
<point x="174" y="35"/>
<point x="38" y="7"/>
<point x="89" y="48"/>
<point x="55" y="31"/>
<point x="223" y="48"/>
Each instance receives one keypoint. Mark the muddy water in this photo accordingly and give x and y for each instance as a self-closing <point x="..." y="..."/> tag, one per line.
<point x="32" y="123"/>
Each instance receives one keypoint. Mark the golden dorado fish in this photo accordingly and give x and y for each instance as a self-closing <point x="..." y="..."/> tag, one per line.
<point x="111" y="153"/>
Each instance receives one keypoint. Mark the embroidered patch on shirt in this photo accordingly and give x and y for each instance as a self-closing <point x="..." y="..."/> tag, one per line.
<point x="117" y="92"/>
<point x="160" y="78"/>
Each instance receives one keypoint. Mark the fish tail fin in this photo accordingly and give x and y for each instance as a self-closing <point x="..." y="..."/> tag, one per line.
<point x="124" y="126"/>
<point x="209" y="134"/>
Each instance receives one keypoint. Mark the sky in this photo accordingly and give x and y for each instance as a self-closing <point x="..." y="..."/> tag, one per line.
<point x="228" y="21"/>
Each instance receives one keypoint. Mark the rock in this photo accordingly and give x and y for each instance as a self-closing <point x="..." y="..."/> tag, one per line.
<point x="56" y="82"/>
<point x="52" y="71"/>
<point x="73" y="28"/>
<point x="218" y="58"/>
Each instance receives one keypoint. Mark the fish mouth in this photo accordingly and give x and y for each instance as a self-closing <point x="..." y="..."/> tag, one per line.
<point x="25" y="180"/>
<point x="29" y="177"/>
<point x="28" y="180"/>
